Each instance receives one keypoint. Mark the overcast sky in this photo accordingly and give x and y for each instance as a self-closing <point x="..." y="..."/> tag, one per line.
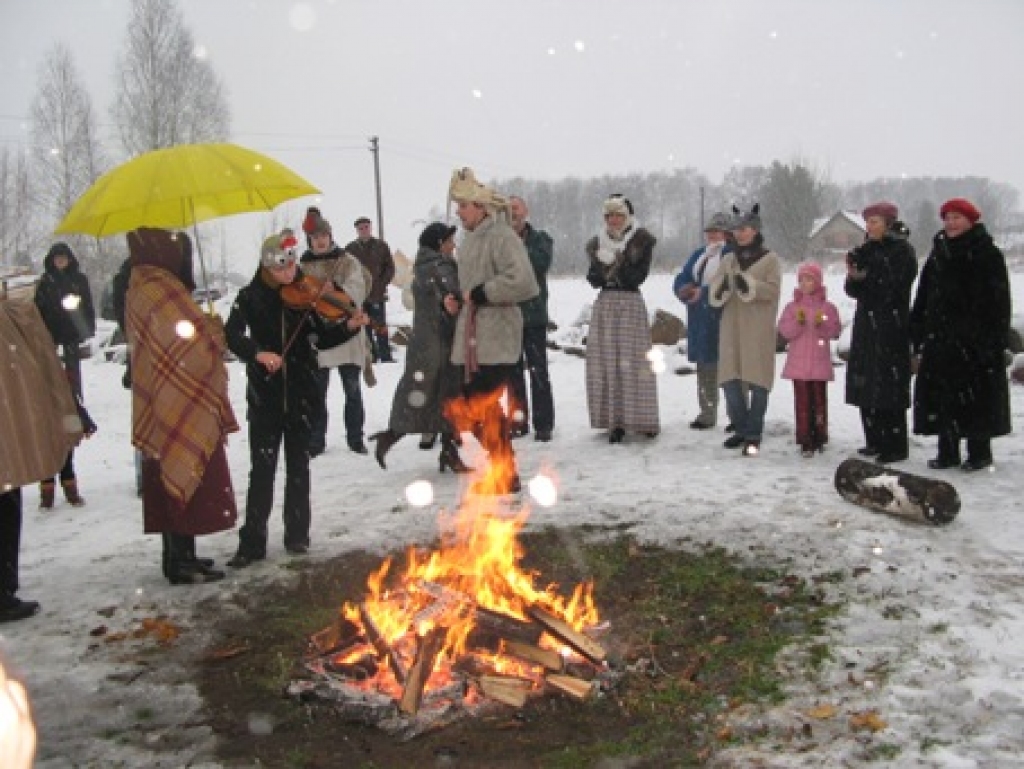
<point x="861" y="88"/>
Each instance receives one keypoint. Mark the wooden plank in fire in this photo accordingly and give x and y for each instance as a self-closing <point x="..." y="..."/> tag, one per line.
<point x="506" y="626"/>
<point x="576" y="688"/>
<point x="546" y="658"/>
<point x="430" y="646"/>
<point x="564" y="632"/>
<point x="510" y="691"/>
<point x="338" y="635"/>
<point x="380" y="644"/>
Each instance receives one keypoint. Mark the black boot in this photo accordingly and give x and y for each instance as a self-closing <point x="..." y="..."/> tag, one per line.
<point x="384" y="440"/>
<point x="449" y="458"/>
<point x="181" y="565"/>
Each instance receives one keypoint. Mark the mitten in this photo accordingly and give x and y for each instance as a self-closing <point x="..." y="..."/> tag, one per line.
<point x="723" y="288"/>
<point x="801" y="316"/>
<point x="819" y="318"/>
<point x="741" y="283"/>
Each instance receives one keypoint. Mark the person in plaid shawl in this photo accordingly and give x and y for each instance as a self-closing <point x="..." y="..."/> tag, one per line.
<point x="276" y="342"/>
<point x="181" y="415"/>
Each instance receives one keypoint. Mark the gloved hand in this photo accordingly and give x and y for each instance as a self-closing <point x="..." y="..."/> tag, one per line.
<point x="741" y="283"/>
<point x="724" y="287"/>
<point x="801" y="316"/>
<point x="819" y="318"/>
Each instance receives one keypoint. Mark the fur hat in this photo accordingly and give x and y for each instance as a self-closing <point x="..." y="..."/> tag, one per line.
<point x="465" y="188"/>
<point x="435" y="234"/>
<point x="279" y="250"/>
<point x="719" y="222"/>
<point x="961" y="206"/>
<point x="314" y="223"/>
<point x="617" y="203"/>
<point x="751" y="218"/>
<point x="883" y="208"/>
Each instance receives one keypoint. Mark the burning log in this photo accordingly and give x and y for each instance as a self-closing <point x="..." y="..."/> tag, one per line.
<point x="546" y="658"/>
<point x="576" y="688"/>
<point x="491" y="624"/>
<point x="377" y="640"/>
<point x="564" y="632"/>
<point x="430" y="646"/>
<point x="334" y="637"/>
<point x="350" y="703"/>
<point x="510" y="691"/>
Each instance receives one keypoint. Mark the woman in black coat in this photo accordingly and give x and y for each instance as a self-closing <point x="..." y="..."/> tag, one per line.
<point x="64" y="300"/>
<point x="880" y="275"/>
<point x="960" y="323"/>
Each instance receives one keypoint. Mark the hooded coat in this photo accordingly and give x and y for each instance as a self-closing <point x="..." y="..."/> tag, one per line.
<point x="809" y="323"/>
<point x="67" y="326"/>
<point x="878" y="371"/>
<point x="959" y="325"/>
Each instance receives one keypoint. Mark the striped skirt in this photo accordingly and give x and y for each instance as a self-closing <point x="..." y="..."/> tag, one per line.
<point x="622" y="389"/>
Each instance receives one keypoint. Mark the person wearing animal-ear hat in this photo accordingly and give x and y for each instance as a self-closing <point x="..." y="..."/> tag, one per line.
<point x="747" y="288"/>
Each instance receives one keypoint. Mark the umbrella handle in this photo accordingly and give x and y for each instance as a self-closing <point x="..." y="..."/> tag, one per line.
<point x="202" y="262"/>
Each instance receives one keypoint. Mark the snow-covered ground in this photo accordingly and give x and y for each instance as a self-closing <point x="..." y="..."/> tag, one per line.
<point x="931" y="640"/>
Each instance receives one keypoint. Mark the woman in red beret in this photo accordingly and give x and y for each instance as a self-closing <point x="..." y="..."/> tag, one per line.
<point x="879" y="276"/>
<point x="960" y="322"/>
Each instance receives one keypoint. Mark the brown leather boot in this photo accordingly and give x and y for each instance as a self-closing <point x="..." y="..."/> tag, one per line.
<point x="46" y="489"/>
<point x="71" y="493"/>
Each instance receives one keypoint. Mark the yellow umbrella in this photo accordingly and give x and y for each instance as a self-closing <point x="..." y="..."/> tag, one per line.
<point x="178" y="187"/>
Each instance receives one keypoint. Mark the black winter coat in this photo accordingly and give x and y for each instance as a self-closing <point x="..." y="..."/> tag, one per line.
<point x="629" y="271"/>
<point x="67" y="327"/>
<point x="259" y="322"/>
<point x="878" y="373"/>
<point x="960" y="324"/>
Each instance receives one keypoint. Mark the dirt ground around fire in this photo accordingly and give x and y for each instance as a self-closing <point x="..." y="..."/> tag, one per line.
<point x="260" y="641"/>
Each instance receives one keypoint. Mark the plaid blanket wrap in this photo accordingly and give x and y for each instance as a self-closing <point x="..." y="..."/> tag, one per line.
<point x="180" y="406"/>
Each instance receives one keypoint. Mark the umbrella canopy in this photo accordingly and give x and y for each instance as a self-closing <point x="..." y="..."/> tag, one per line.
<point x="180" y="186"/>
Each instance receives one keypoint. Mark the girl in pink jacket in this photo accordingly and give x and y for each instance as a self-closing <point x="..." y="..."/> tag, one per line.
<point x="809" y="323"/>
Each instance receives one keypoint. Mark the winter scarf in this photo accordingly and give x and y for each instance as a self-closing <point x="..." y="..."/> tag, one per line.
<point x="610" y="248"/>
<point x="748" y="255"/>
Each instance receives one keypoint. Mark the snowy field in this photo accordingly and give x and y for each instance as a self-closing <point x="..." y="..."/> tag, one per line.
<point x="931" y="640"/>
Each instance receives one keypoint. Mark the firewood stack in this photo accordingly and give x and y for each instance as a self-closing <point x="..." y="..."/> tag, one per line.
<point x="411" y="686"/>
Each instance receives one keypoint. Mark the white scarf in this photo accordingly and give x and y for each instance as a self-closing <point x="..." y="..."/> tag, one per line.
<point x="709" y="262"/>
<point x="608" y="248"/>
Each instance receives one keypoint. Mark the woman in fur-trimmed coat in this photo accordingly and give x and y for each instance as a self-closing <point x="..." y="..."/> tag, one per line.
<point x="622" y="391"/>
<point x="747" y="287"/>
<point x="959" y="325"/>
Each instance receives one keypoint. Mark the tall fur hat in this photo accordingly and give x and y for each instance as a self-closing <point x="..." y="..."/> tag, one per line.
<point x="465" y="188"/>
<point x="751" y="218"/>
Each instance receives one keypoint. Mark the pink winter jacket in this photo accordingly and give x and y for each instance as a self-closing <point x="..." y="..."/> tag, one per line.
<point x="810" y="355"/>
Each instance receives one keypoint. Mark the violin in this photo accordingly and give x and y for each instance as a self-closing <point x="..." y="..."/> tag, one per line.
<point x="324" y="298"/>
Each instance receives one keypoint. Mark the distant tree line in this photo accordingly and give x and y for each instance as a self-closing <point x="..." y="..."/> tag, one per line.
<point x="164" y="94"/>
<point x="674" y="205"/>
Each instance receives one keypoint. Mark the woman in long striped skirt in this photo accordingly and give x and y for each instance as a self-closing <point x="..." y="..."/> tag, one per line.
<point x="622" y="392"/>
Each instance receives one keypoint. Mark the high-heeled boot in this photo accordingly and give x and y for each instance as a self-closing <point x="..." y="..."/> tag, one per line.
<point x="449" y="458"/>
<point x="384" y="440"/>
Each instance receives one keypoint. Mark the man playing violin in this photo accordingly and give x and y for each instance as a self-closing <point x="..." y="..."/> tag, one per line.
<point x="327" y="262"/>
<point x="278" y="344"/>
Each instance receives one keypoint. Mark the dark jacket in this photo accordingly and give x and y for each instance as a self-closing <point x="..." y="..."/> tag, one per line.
<point x="375" y="255"/>
<point x="627" y="273"/>
<point x="259" y="321"/>
<point x="960" y="324"/>
<point x="540" y="249"/>
<point x="878" y="373"/>
<point x="67" y="326"/>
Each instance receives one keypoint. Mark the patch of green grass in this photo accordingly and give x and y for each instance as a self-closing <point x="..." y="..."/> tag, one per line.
<point x="884" y="751"/>
<point x="938" y="627"/>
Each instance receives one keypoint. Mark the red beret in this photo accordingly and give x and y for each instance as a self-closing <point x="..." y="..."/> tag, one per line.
<point x="962" y="206"/>
<point x="884" y="209"/>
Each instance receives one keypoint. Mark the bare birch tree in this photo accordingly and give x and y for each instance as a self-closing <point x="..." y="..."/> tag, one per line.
<point x="16" y="220"/>
<point x="165" y="93"/>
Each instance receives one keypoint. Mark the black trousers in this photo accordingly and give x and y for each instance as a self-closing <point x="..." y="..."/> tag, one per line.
<point x="10" y="541"/>
<point x="978" y="449"/>
<point x="534" y="360"/>
<point x="355" y="412"/>
<point x="378" y="340"/>
<point x="265" y="438"/>
<point x="886" y="430"/>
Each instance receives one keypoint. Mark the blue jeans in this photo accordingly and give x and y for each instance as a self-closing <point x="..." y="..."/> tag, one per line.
<point x="355" y="413"/>
<point x="746" y="405"/>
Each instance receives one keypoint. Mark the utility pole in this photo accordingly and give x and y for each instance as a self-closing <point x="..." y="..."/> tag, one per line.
<point x="702" y="209"/>
<point x="375" y="149"/>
